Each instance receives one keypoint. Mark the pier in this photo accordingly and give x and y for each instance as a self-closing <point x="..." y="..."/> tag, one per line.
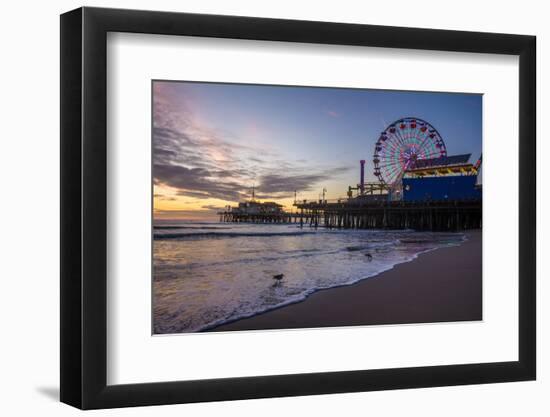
<point x="442" y="193"/>
<point x="426" y="215"/>
<point x="352" y="214"/>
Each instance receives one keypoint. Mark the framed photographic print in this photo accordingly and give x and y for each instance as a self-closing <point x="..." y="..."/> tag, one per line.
<point x="257" y="208"/>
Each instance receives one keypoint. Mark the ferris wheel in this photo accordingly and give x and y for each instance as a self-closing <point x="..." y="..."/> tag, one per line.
<point x="401" y="144"/>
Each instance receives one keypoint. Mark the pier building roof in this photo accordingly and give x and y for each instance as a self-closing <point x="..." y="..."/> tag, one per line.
<point x="444" y="165"/>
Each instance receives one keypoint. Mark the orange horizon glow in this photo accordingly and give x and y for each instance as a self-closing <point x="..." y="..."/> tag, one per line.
<point x="167" y="205"/>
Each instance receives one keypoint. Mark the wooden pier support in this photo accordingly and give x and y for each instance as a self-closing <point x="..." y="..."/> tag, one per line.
<point x="432" y="215"/>
<point x="426" y="215"/>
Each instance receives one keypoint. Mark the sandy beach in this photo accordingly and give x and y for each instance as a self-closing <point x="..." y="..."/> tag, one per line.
<point x="437" y="286"/>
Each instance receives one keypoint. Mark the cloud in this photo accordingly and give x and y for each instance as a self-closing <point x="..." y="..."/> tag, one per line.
<point x="286" y="184"/>
<point x="332" y="113"/>
<point x="277" y="183"/>
<point x="164" y="197"/>
<point x="197" y="182"/>
<point x="204" y="163"/>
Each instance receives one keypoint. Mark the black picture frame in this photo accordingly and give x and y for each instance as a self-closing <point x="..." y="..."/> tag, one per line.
<point x="84" y="207"/>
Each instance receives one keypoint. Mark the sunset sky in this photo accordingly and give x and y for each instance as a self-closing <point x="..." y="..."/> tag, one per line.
<point x="212" y="142"/>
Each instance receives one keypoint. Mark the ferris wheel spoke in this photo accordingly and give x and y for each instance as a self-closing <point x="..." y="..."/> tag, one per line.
<point x="390" y="153"/>
<point x="401" y="137"/>
<point x="395" y="174"/>
<point x="388" y="164"/>
<point x="426" y="138"/>
<point x="405" y="140"/>
<point x="389" y="150"/>
<point x="396" y="167"/>
<point x="397" y="132"/>
<point x="393" y="141"/>
<point x="390" y="143"/>
<point x="391" y="174"/>
<point x="389" y="168"/>
<point x="394" y="146"/>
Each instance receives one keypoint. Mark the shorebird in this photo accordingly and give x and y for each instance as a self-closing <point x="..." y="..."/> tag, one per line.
<point x="278" y="278"/>
<point x="369" y="256"/>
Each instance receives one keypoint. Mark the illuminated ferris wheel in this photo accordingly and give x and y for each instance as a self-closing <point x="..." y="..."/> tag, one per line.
<point x="401" y="144"/>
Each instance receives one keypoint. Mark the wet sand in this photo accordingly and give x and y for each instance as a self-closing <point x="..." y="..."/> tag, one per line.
<point x="441" y="285"/>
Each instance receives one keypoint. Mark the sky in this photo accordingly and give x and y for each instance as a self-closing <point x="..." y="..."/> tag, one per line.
<point x="213" y="142"/>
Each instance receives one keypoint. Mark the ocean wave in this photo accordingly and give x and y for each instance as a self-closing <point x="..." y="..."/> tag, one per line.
<point x="359" y="248"/>
<point x="192" y="227"/>
<point x="301" y="296"/>
<point x="371" y="247"/>
<point x="249" y="285"/>
<point x="260" y="259"/>
<point x="214" y="235"/>
<point x="306" y="293"/>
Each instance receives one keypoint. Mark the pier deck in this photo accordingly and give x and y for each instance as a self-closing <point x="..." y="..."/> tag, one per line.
<point x="426" y="215"/>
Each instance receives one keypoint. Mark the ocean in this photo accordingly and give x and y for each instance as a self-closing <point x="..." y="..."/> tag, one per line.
<point x="207" y="273"/>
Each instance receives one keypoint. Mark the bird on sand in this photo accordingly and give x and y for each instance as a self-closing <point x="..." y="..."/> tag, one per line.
<point x="369" y="256"/>
<point x="278" y="278"/>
